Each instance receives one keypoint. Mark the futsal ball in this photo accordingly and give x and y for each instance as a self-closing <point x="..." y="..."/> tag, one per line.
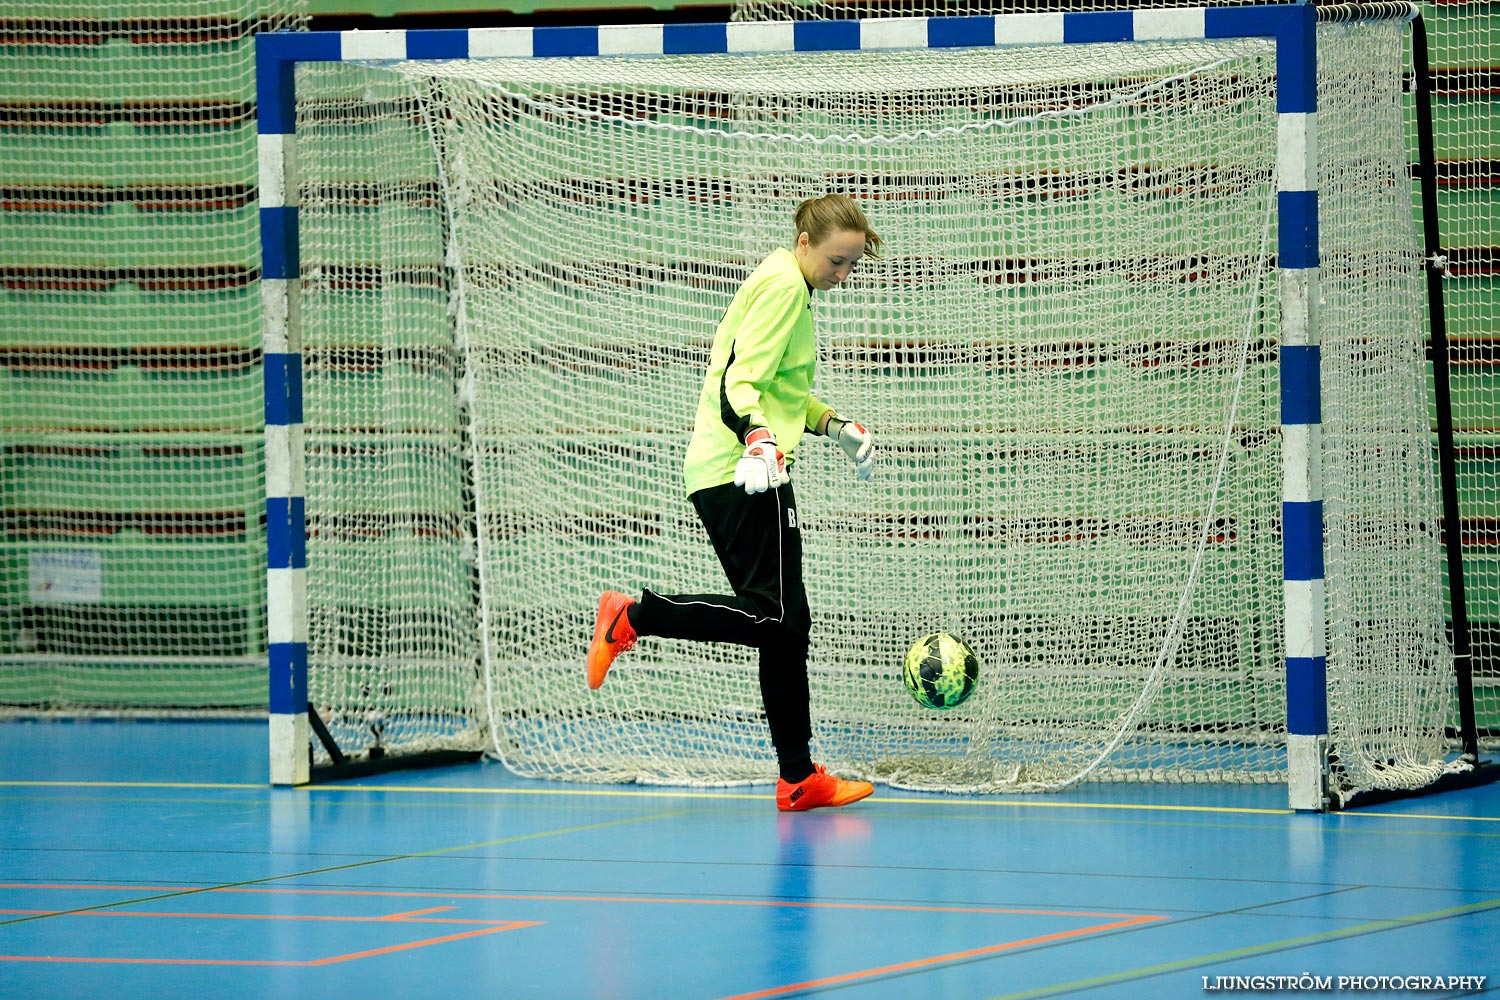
<point x="941" y="671"/>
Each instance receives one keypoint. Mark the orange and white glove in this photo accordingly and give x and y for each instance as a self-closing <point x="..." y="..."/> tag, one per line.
<point x="762" y="467"/>
<point x="856" y="442"/>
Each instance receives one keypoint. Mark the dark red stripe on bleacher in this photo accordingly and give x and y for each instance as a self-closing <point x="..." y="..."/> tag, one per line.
<point x="143" y="114"/>
<point x="179" y="30"/>
<point x="157" y="359"/>
<point x="1469" y="262"/>
<point x="1464" y="81"/>
<point x="149" y="279"/>
<point x="94" y="523"/>
<point x="144" y="197"/>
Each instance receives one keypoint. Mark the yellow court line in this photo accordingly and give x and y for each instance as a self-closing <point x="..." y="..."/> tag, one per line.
<point x="1127" y="806"/>
<point x="1386" y="815"/>
<point x="667" y="792"/>
<point x="128" y="784"/>
<point x="704" y="793"/>
<point x="647" y="793"/>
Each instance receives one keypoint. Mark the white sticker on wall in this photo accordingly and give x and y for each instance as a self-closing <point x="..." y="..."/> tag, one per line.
<point x="67" y="576"/>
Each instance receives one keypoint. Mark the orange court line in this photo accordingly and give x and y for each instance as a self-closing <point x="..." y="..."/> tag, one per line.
<point x="389" y="949"/>
<point x="552" y="898"/>
<point x="920" y="963"/>
<point x="408" y="917"/>
<point x="1118" y="921"/>
<point x="513" y="925"/>
<point x="410" y="914"/>
<point x="393" y="918"/>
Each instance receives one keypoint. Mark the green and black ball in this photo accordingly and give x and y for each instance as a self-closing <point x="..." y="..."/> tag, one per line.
<point x="941" y="671"/>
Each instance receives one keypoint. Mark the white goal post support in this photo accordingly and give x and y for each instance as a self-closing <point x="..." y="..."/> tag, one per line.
<point x="1292" y="30"/>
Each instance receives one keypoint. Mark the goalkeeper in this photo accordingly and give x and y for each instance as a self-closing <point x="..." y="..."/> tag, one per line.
<point x="755" y="405"/>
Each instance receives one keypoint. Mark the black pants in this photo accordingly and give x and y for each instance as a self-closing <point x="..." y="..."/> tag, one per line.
<point x="759" y="545"/>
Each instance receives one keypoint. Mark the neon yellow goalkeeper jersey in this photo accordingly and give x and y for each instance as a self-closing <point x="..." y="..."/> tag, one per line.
<point x="760" y="373"/>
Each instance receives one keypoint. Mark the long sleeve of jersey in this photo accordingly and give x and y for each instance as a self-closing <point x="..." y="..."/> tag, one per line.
<point x="755" y="360"/>
<point x="760" y="373"/>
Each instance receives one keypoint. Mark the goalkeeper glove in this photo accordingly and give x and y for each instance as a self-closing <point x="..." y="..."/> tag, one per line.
<point x="762" y="467"/>
<point x="856" y="442"/>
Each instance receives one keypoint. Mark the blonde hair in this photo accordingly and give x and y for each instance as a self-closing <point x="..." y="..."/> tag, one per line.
<point x="819" y="217"/>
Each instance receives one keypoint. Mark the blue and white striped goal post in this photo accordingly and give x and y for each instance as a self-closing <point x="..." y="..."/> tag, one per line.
<point x="1292" y="27"/>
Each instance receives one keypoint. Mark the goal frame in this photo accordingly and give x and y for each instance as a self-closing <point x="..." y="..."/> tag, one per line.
<point x="1292" y="29"/>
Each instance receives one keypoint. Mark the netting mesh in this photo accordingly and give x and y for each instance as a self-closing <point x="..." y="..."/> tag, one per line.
<point x="820" y="10"/>
<point x="131" y="489"/>
<point x="393" y="625"/>
<point x="1386" y="583"/>
<point x="1463" y="50"/>
<point x="1068" y="358"/>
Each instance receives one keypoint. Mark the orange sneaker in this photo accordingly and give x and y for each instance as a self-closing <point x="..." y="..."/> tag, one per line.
<point x="612" y="635"/>
<point x="819" y="789"/>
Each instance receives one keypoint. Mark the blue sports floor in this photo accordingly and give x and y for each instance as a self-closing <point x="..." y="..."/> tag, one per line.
<point x="151" y="860"/>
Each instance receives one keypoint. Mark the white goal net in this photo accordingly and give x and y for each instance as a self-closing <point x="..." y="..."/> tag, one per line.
<point x="512" y="270"/>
